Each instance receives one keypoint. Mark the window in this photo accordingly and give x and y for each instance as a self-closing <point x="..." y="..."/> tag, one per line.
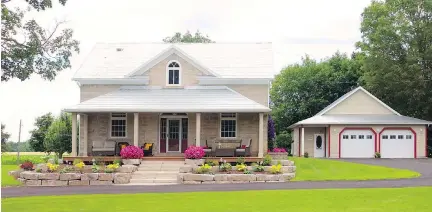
<point x="173" y="73"/>
<point x="361" y="136"/>
<point x="408" y="136"/>
<point x="385" y="136"/>
<point x="118" y="125"/>
<point x="228" y="125"/>
<point x="345" y="136"/>
<point x="369" y="136"/>
<point x="400" y="136"/>
<point x="392" y="136"/>
<point x="353" y="136"/>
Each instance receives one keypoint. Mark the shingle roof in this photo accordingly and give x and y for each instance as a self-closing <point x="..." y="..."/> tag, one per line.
<point x="228" y="60"/>
<point x="361" y="119"/>
<point x="157" y="99"/>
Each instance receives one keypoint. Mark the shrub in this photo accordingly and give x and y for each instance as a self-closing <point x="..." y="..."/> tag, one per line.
<point x="79" y="165"/>
<point x="67" y="169"/>
<point x="111" y="168"/>
<point x="27" y="165"/>
<point x="204" y="169"/>
<point x="117" y="161"/>
<point x="52" y="167"/>
<point x="247" y="172"/>
<point x="258" y="168"/>
<point x="241" y="167"/>
<point x="377" y="155"/>
<point x="279" y="150"/>
<point x="306" y="155"/>
<point x="276" y="169"/>
<point x="284" y="140"/>
<point x="240" y="160"/>
<point x="212" y="162"/>
<point x="194" y="152"/>
<point x="131" y="152"/>
<point x="225" y="167"/>
<point x="267" y="160"/>
<point x="95" y="168"/>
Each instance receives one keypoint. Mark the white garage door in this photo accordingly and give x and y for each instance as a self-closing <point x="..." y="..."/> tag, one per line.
<point x="397" y="144"/>
<point x="357" y="144"/>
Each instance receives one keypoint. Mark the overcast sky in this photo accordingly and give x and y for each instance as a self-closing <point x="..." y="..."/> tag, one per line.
<point x="295" y="27"/>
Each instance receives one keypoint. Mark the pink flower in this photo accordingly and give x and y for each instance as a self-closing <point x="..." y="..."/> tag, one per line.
<point x="131" y="152"/>
<point x="194" y="152"/>
<point x="279" y="150"/>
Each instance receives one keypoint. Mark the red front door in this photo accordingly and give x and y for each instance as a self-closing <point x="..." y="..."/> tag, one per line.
<point x="173" y="134"/>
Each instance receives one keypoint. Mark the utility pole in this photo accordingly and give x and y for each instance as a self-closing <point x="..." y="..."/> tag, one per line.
<point x="19" y="139"/>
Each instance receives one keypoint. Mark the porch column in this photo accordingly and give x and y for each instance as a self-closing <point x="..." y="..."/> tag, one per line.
<point x="261" y="135"/>
<point x="302" y="142"/>
<point x="136" y="124"/>
<point x="198" y="130"/>
<point x="74" y="134"/>
<point x="85" y="133"/>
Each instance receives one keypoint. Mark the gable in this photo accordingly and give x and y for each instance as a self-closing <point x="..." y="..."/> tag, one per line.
<point x="359" y="102"/>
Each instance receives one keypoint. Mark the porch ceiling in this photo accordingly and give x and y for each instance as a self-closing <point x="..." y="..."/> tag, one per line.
<point x="170" y="100"/>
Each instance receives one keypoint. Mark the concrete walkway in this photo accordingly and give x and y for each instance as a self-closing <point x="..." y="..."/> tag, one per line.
<point x="156" y="173"/>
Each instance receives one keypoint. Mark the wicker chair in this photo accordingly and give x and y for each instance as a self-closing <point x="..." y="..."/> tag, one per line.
<point x="244" y="149"/>
<point x="208" y="150"/>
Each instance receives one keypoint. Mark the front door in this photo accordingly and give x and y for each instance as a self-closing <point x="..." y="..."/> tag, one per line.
<point x="319" y="146"/>
<point x="173" y="135"/>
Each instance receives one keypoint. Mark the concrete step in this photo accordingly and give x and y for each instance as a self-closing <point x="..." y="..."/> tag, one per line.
<point x="162" y="180"/>
<point x="154" y="172"/>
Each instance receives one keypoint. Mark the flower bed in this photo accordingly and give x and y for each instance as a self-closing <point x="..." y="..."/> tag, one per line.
<point x="214" y="172"/>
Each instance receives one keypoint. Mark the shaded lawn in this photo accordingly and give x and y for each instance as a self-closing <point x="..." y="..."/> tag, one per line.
<point x="312" y="169"/>
<point x="7" y="180"/>
<point x="332" y="200"/>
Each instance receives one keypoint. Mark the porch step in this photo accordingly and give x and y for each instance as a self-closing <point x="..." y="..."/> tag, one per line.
<point x="156" y="173"/>
<point x="156" y="180"/>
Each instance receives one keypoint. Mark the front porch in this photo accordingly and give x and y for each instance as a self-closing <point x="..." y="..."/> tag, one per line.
<point x="110" y="159"/>
<point x="170" y="133"/>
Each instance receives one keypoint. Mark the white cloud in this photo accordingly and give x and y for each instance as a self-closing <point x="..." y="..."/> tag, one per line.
<point x="314" y="27"/>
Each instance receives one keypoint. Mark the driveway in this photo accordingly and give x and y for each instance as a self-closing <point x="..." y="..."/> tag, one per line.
<point x="422" y="166"/>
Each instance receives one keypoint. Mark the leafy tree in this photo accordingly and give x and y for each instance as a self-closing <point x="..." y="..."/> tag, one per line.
<point x="27" y="48"/>
<point x="58" y="138"/>
<point x="37" y="135"/>
<point x="397" y="43"/>
<point x="4" y="138"/>
<point x="21" y="146"/>
<point x="301" y="90"/>
<point x="284" y="140"/>
<point x="188" y="38"/>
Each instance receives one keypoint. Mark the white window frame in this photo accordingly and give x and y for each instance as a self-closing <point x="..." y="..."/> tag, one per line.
<point x="228" y="118"/>
<point x="118" y="118"/>
<point x="173" y="68"/>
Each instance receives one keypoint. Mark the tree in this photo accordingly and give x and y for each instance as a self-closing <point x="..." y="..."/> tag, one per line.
<point x="37" y="135"/>
<point x="397" y="43"/>
<point x="21" y="146"/>
<point x="4" y="138"/>
<point x="27" y="48"/>
<point x="301" y="90"/>
<point x="59" y="135"/>
<point x="188" y="38"/>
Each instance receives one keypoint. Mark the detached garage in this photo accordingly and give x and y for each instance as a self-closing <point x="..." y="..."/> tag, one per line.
<point x="359" y="125"/>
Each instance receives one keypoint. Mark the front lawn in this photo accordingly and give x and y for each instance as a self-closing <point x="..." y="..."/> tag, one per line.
<point x="312" y="169"/>
<point x="331" y="200"/>
<point x="7" y="180"/>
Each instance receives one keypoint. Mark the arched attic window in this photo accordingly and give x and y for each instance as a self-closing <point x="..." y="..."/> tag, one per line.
<point x="173" y="73"/>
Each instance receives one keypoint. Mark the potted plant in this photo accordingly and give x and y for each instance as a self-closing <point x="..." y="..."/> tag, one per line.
<point x="278" y="154"/>
<point x="194" y="155"/>
<point x="131" y="155"/>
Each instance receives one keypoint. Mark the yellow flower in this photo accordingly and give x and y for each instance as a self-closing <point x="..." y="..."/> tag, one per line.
<point x="52" y="167"/>
<point x="80" y="165"/>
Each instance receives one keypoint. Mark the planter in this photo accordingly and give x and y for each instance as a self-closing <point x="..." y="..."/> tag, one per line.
<point x="278" y="155"/>
<point x="194" y="162"/>
<point x="131" y="161"/>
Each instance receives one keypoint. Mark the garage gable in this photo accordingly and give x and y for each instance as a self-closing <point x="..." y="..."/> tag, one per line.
<point x="358" y="101"/>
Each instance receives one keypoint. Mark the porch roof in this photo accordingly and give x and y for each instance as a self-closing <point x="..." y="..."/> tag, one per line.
<point x="170" y="100"/>
<point x="352" y="119"/>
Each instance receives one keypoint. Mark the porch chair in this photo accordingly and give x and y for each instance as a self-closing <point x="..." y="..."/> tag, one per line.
<point x="208" y="149"/>
<point x="244" y="149"/>
<point x="103" y="148"/>
<point x="148" y="149"/>
<point x="120" y="146"/>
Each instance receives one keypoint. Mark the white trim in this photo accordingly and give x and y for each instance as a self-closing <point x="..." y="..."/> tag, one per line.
<point x="113" y="81"/>
<point x="179" y="69"/>
<point x="338" y="101"/>
<point x="207" y="80"/>
<point x="228" y="118"/>
<point x="165" y="54"/>
<point x="118" y="118"/>
<point x="162" y="110"/>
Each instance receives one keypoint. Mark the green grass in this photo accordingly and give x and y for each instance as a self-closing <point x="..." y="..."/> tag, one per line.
<point x="331" y="200"/>
<point x="312" y="169"/>
<point x="8" y="159"/>
<point x="7" y="180"/>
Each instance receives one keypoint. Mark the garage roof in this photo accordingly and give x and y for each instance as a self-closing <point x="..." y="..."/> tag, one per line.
<point x="361" y="119"/>
<point x="170" y="100"/>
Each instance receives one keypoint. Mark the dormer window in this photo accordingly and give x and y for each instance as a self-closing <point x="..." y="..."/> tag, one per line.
<point x="173" y="73"/>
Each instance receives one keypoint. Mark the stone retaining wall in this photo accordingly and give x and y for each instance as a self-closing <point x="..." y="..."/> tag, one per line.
<point x="187" y="176"/>
<point x="31" y="178"/>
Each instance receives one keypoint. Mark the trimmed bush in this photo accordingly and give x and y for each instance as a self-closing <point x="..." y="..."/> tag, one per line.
<point x="194" y="152"/>
<point x="131" y="152"/>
